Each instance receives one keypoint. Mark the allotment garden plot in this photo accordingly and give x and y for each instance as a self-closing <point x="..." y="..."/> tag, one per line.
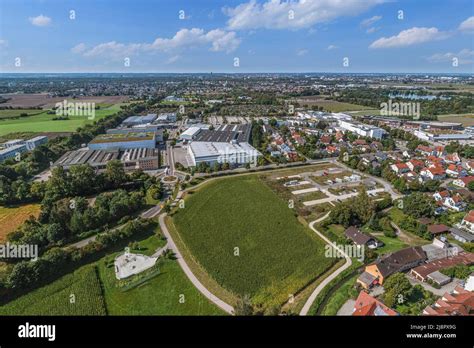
<point x="248" y="240"/>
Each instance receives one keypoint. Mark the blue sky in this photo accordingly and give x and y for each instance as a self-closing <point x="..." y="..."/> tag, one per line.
<point x="265" y="36"/>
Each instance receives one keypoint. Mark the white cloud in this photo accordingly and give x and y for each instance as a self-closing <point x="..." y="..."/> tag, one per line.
<point x="217" y="40"/>
<point x="467" y="25"/>
<point x="79" y="48"/>
<point x="40" y="21"/>
<point x="277" y="14"/>
<point x="372" y="30"/>
<point x="302" y="52"/>
<point x="173" y="59"/>
<point x="369" y="21"/>
<point x="465" y="56"/>
<point x="3" y="43"/>
<point x="332" y="47"/>
<point x="410" y="37"/>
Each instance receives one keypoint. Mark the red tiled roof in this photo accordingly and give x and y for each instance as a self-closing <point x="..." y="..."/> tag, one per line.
<point x="367" y="305"/>
<point x="469" y="217"/>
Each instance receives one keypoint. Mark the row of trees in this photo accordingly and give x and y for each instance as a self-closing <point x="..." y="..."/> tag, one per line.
<point x="68" y="218"/>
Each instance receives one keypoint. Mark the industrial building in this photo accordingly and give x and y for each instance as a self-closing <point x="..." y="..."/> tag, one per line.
<point x="132" y="159"/>
<point x="226" y="144"/>
<point x="30" y="143"/>
<point x="166" y="117"/>
<point x="12" y="151"/>
<point x="137" y="120"/>
<point x="362" y="129"/>
<point x="214" y="152"/>
<point x="129" y="140"/>
<point x="225" y="134"/>
<point x="190" y="133"/>
<point x="441" y="135"/>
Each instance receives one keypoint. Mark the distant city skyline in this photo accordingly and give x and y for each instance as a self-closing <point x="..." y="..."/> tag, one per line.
<point x="245" y="36"/>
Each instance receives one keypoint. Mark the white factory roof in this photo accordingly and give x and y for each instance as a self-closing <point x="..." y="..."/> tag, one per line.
<point x="191" y="131"/>
<point x="210" y="149"/>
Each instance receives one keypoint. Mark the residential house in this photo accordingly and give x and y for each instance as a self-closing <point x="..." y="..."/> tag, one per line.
<point x="398" y="261"/>
<point x="463" y="182"/>
<point x="433" y="173"/>
<point x="468" y="221"/>
<point x="452" y="158"/>
<point x="456" y="171"/>
<point x="415" y="165"/>
<point x="366" y="305"/>
<point x="425" y="150"/>
<point x="437" y="229"/>
<point x="359" y="238"/>
<point x="400" y="168"/>
<point x="458" y="302"/>
<point x="381" y="156"/>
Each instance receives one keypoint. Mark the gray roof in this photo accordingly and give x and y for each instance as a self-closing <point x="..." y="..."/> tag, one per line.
<point x="366" y="278"/>
<point x="466" y="235"/>
<point x="226" y="133"/>
<point x="357" y="237"/>
<point x="439" y="277"/>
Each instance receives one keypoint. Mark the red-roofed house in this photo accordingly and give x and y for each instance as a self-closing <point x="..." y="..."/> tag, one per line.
<point x="468" y="221"/>
<point x="415" y="165"/>
<point x="463" y="182"/>
<point x="457" y="302"/>
<point x="425" y="150"/>
<point x="325" y="139"/>
<point x="400" y="168"/>
<point x="433" y="173"/>
<point x="456" y="171"/>
<point x="452" y="158"/>
<point x="367" y="305"/>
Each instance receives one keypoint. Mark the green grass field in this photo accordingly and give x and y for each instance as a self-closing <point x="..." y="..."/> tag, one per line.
<point x="169" y="293"/>
<point x="340" y="296"/>
<point x="9" y="113"/>
<point x="77" y="293"/>
<point x="97" y="292"/>
<point x="391" y="245"/>
<point x="277" y="255"/>
<point x="43" y="122"/>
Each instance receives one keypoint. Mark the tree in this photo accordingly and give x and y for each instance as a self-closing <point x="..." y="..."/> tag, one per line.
<point x="418" y="205"/>
<point x="115" y="174"/>
<point x="244" y="306"/>
<point x="397" y="289"/>
<point x="470" y="186"/>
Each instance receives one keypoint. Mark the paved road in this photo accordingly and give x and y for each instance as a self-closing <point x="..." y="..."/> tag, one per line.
<point x="320" y="287"/>
<point x="202" y="289"/>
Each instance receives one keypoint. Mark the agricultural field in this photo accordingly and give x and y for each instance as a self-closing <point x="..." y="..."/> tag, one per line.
<point x="466" y="119"/>
<point x="249" y="241"/>
<point x="12" y="218"/>
<point x="43" y="122"/>
<point x="14" y="113"/>
<point x="43" y="100"/>
<point x="77" y="293"/>
<point x="97" y="291"/>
